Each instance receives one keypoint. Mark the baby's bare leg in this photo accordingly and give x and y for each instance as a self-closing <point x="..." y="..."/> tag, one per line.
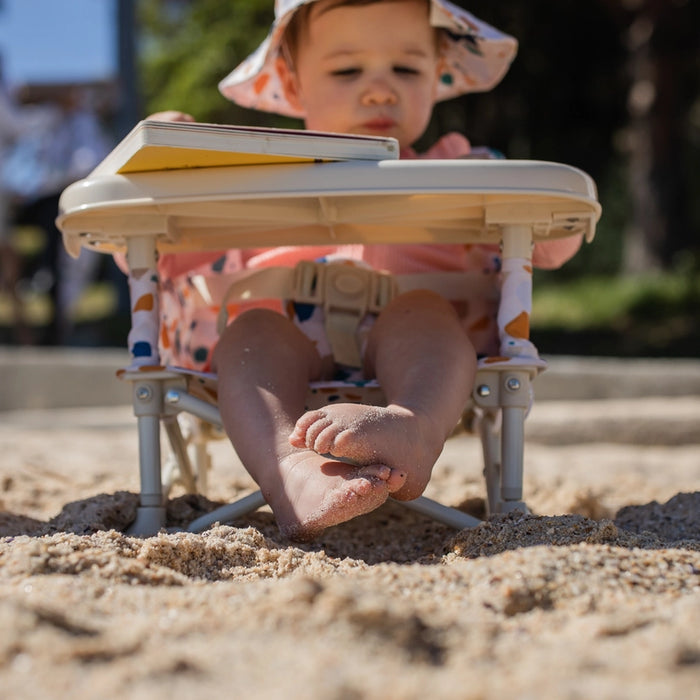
<point x="425" y="363"/>
<point x="264" y="365"/>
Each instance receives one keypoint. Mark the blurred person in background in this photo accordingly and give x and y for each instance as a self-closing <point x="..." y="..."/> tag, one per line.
<point x="65" y="145"/>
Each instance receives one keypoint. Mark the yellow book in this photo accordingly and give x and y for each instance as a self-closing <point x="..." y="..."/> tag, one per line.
<point x="153" y="145"/>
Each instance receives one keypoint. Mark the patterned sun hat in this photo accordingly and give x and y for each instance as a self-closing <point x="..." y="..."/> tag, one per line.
<point x="474" y="57"/>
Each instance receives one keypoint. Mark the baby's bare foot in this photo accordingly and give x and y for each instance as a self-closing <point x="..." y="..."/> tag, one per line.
<point x="394" y="436"/>
<point x="318" y="492"/>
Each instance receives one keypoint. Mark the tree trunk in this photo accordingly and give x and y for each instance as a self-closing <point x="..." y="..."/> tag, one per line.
<point x="659" y="227"/>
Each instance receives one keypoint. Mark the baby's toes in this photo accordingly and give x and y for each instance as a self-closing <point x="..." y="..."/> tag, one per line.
<point x="321" y="437"/>
<point x="342" y="443"/>
<point x="297" y="439"/>
<point x="307" y="428"/>
<point x="397" y="478"/>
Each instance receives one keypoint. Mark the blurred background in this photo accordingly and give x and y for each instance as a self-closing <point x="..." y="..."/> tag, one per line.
<point x="609" y="86"/>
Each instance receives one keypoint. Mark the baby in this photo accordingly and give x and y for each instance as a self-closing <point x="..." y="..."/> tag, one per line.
<point x="372" y="67"/>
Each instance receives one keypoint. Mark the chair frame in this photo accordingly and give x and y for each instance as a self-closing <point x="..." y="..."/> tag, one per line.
<point x="512" y="203"/>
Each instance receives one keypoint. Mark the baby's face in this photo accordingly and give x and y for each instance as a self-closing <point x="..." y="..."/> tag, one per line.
<point x="368" y="69"/>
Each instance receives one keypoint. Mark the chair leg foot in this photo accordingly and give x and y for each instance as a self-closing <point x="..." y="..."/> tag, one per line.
<point x="149" y="521"/>
<point x="512" y="506"/>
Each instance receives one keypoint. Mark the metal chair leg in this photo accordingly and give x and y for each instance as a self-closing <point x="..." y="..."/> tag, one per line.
<point x="150" y="516"/>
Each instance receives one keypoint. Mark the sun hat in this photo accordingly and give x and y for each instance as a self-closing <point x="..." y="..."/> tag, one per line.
<point x="474" y="57"/>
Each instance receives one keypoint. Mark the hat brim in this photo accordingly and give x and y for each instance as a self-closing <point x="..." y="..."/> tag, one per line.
<point x="474" y="57"/>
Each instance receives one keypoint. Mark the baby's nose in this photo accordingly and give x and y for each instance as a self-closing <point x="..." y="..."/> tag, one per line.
<point x="379" y="92"/>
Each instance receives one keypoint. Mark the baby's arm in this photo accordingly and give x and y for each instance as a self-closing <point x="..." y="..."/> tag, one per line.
<point x="549" y="255"/>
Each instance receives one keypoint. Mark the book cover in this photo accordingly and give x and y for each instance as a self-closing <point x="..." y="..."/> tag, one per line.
<point x="153" y="145"/>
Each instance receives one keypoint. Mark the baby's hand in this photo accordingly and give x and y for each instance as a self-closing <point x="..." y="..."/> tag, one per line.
<point x="171" y="115"/>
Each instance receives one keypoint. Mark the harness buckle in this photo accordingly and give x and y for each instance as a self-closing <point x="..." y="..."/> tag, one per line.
<point x="347" y="293"/>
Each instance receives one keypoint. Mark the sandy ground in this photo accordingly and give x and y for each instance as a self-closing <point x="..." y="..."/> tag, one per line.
<point x="601" y="602"/>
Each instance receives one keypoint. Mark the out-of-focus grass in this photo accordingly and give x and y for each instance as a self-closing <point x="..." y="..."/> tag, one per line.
<point x="647" y="315"/>
<point x="601" y="301"/>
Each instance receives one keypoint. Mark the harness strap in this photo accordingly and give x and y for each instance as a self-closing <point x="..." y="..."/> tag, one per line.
<point x="346" y="293"/>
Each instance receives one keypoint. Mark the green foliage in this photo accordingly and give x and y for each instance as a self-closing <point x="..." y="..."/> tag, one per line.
<point x="188" y="47"/>
<point x="634" y="315"/>
<point x="653" y="315"/>
<point x="597" y="301"/>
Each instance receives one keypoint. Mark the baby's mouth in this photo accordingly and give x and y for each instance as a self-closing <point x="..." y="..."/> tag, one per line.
<point x="380" y="124"/>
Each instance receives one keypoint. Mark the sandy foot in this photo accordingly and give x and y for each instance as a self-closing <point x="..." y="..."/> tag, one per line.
<point x="374" y="435"/>
<point x="318" y="492"/>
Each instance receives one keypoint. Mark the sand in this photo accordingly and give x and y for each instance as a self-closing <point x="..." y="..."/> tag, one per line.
<point x="595" y="594"/>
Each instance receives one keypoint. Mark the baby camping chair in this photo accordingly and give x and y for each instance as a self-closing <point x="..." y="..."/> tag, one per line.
<point x="511" y="203"/>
